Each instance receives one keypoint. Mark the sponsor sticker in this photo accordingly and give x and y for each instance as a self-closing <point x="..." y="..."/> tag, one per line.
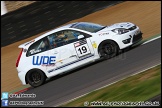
<point x="77" y="44"/>
<point x="101" y="34"/>
<point x="94" y="45"/>
<point x="33" y="51"/>
<point x="43" y="60"/>
<point x="29" y="42"/>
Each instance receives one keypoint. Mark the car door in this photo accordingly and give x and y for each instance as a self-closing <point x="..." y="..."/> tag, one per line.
<point x="38" y="56"/>
<point x="81" y="48"/>
<point x="62" y="50"/>
<point x="68" y="49"/>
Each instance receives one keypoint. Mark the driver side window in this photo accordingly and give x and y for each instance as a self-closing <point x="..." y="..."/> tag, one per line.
<point x="57" y="39"/>
<point x="64" y="37"/>
<point x="72" y="35"/>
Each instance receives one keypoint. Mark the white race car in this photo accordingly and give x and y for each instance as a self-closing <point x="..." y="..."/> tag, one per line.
<point x="70" y="46"/>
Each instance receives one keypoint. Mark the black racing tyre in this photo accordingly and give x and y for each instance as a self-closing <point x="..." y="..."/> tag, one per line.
<point x="35" y="78"/>
<point x="108" y="49"/>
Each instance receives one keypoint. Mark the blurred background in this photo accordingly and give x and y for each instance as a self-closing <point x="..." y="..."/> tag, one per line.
<point x="22" y="21"/>
<point x="8" y="6"/>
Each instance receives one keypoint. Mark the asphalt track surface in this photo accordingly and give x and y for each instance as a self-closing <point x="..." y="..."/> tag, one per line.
<point x="68" y="86"/>
<point x="156" y="98"/>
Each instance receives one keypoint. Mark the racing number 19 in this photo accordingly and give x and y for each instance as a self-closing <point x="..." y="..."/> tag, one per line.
<point x="82" y="50"/>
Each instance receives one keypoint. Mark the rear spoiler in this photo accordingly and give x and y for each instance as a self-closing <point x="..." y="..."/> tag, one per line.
<point x="26" y="44"/>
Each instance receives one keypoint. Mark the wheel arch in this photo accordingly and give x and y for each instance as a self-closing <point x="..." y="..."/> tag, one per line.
<point x="99" y="46"/>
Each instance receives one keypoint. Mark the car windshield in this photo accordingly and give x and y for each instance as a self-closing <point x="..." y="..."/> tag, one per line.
<point x="90" y="27"/>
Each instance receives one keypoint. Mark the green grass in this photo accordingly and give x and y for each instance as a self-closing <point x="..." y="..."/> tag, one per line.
<point x="144" y="40"/>
<point x="152" y="37"/>
<point x="140" y="87"/>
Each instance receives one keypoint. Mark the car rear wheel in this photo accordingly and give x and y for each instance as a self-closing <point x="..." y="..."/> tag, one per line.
<point x="35" y="78"/>
<point x="108" y="49"/>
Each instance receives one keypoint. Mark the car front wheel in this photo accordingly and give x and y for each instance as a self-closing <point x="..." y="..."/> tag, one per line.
<point x="108" y="49"/>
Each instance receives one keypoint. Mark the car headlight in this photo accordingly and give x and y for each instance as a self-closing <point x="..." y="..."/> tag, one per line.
<point x="120" y="30"/>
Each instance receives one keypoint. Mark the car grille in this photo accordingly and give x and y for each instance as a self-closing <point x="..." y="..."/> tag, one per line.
<point x="137" y="38"/>
<point x="132" y="28"/>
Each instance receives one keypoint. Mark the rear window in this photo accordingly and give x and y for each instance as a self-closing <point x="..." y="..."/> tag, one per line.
<point x="38" y="47"/>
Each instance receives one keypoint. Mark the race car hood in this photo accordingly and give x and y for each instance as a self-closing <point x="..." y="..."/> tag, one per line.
<point x="125" y="25"/>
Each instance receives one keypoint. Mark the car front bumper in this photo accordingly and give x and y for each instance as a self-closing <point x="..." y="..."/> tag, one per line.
<point x="137" y="38"/>
<point x="130" y="38"/>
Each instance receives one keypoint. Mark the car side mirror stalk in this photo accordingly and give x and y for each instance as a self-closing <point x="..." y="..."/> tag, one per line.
<point x="80" y="36"/>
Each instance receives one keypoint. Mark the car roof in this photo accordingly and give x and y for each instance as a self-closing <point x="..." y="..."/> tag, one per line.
<point x="55" y="30"/>
<point x="27" y="44"/>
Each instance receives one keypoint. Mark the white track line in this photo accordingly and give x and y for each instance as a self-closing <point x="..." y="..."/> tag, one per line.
<point x="108" y="84"/>
<point x="151" y="40"/>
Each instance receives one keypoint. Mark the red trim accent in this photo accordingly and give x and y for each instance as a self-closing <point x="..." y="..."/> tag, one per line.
<point x="18" y="59"/>
<point x="21" y="91"/>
